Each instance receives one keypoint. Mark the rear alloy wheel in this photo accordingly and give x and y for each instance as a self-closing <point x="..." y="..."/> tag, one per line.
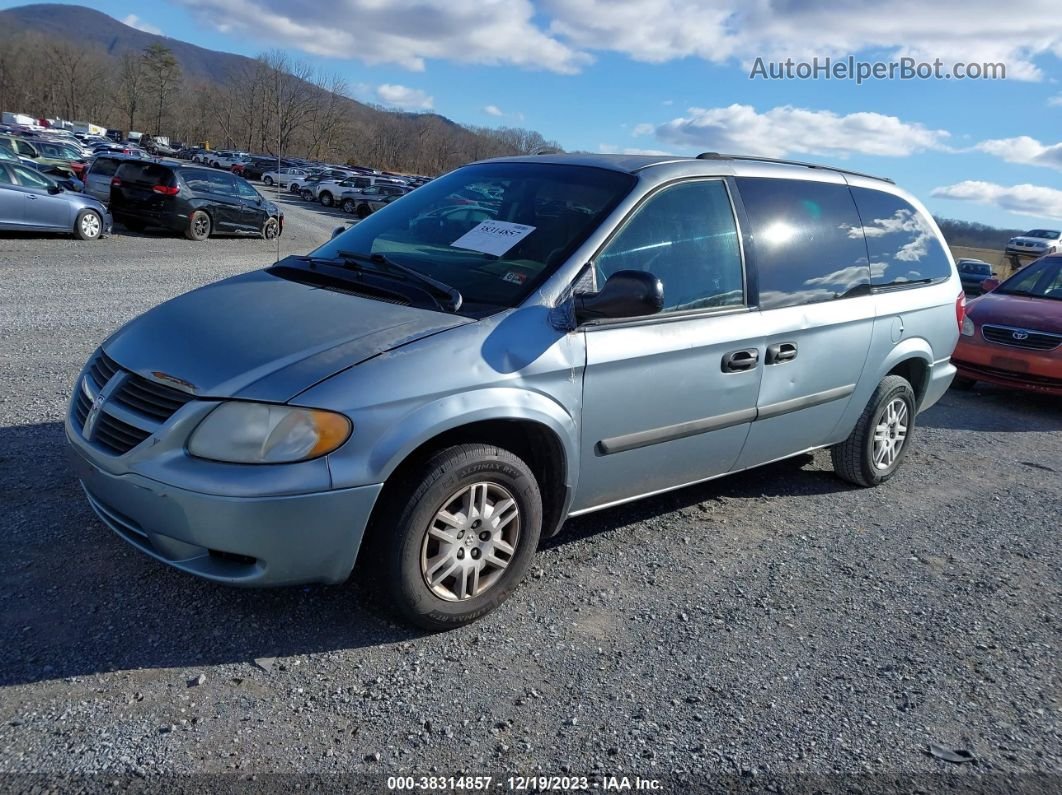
<point x="326" y="198"/>
<point x="348" y="206"/>
<point x="873" y="452"/>
<point x="307" y="194"/>
<point x="89" y="225"/>
<point x="268" y="180"/>
<point x="271" y="229"/>
<point x="461" y="535"/>
<point x="198" y="226"/>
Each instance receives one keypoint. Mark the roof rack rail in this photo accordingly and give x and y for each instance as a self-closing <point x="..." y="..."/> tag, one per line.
<point x="718" y="156"/>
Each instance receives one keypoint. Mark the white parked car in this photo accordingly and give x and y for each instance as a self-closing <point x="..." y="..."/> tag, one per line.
<point x="328" y="192"/>
<point x="283" y="177"/>
<point x="227" y="160"/>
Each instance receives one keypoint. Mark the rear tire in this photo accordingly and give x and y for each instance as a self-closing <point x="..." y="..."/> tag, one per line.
<point x="198" y="228"/>
<point x="348" y="206"/>
<point x="880" y="440"/>
<point x="473" y="510"/>
<point x="89" y="225"/>
<point x="268" y="180"/>
<point x="306" y="194"/>
<point x="326" y="198"/>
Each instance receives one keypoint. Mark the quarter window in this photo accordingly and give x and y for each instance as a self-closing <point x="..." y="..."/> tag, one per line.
<point x="686" y="236"/>
<point x="808" y="241"/>
<point x="903" y="246"/>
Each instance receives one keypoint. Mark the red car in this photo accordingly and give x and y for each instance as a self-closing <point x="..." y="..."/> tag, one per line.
<point x="1012" y="334"/>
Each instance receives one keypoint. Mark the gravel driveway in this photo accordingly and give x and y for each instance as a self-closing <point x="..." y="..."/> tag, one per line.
<point x="776" y="623"/>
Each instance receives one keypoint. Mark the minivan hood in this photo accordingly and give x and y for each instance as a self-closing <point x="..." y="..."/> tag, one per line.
<point x="258" y="336"/>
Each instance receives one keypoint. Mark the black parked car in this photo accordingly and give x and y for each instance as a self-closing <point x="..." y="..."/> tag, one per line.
<point x="195" y="200"/>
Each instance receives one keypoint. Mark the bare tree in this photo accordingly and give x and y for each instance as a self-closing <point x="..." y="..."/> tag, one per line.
<point x="130" y="90"/>
<point x="163" y="77"/>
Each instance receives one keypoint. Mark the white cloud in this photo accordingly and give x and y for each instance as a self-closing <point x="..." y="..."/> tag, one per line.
<point x="493" y="110"/>
<point x="725" y="30"/>
<point x="404" y="98"/>
<point x="1034" y="200"/>
<point x="781" y="131"/>
<point x="1055" y="101"/>
<point x="134" y="21"/>
<point x="642" y="129"/>
<point x="562" y="35"/>
<point x="1024" y="150"/>
<point x="403" y="32"/>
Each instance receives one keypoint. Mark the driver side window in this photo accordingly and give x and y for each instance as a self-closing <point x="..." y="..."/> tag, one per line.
<point x="686" y="236"/>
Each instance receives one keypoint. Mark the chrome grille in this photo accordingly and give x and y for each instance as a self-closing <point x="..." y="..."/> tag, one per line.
<point x="1021" y="338"/>
<point x="147" y="405"/>
<point x="115" y="435"/>
<point x="150" y="399"/>
<point x="81" y="407"/>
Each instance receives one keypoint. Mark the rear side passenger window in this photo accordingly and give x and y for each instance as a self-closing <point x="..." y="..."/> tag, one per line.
<point x="105" y="167"/>
<point x="903" y="246"/>
<point x="686" y="236"/>
<point x="808" y="241"/>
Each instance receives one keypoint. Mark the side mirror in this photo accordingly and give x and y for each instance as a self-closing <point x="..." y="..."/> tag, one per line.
<point x="625" y="294"/>
<point x="988" y="285"/>
<point x="54" y="189"/>
<point x="338" y="231"/>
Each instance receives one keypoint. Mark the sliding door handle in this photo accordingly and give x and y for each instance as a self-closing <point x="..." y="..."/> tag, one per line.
<point x="739" y="361"/>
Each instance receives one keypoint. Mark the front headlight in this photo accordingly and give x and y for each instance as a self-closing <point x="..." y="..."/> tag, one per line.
<point x="261" y="433"/>
<point x="967" y="327"/>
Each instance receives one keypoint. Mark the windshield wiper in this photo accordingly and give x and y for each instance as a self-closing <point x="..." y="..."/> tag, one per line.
<point x="387" y="264"/>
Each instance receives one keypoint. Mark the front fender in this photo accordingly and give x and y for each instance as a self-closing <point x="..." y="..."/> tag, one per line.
<point x="457" y="410"/>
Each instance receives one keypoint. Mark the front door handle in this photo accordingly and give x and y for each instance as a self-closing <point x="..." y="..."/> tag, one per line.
<point x="781" y="352"/>
<point x="739" y="361"/>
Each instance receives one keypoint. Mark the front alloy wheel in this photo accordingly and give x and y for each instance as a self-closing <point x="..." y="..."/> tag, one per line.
<point x="470" y="542"/>
<point x="456" y="537"/>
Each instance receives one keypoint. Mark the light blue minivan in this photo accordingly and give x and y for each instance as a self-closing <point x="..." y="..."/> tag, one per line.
<point x="516" y="342"/>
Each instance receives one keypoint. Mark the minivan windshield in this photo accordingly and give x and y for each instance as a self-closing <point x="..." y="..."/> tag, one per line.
<point x="494" y="231"/>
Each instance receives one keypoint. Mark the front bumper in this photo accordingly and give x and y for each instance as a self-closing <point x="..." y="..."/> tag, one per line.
<point x="247" y="541"/>
<point x="1029" y="370"/>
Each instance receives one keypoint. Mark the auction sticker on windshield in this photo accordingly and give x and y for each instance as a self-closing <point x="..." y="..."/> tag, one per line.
<point x="493" y="237"/>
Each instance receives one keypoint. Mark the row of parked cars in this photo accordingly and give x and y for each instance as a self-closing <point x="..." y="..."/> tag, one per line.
<point x="356" y="190"/>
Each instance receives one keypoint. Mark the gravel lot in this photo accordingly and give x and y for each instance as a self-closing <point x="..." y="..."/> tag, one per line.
<point x="775" y="623"/>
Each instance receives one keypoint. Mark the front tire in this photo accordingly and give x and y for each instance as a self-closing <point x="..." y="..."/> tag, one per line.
<point x="962" y="383"/>
<point x="271" y="229"/>
<point x="198" y="228"/>
<point x="348" y="206"/>
<point x="363" y="212"/>
<point x="876" y="447"/>
<point x="466" y="526"/>
<point x="89" y="225"/>
<point x="326" y="199"/>
<point x="268" y="181"/>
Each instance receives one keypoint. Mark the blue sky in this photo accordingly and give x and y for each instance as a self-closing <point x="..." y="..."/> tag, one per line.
<point x="673" y="75"/>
